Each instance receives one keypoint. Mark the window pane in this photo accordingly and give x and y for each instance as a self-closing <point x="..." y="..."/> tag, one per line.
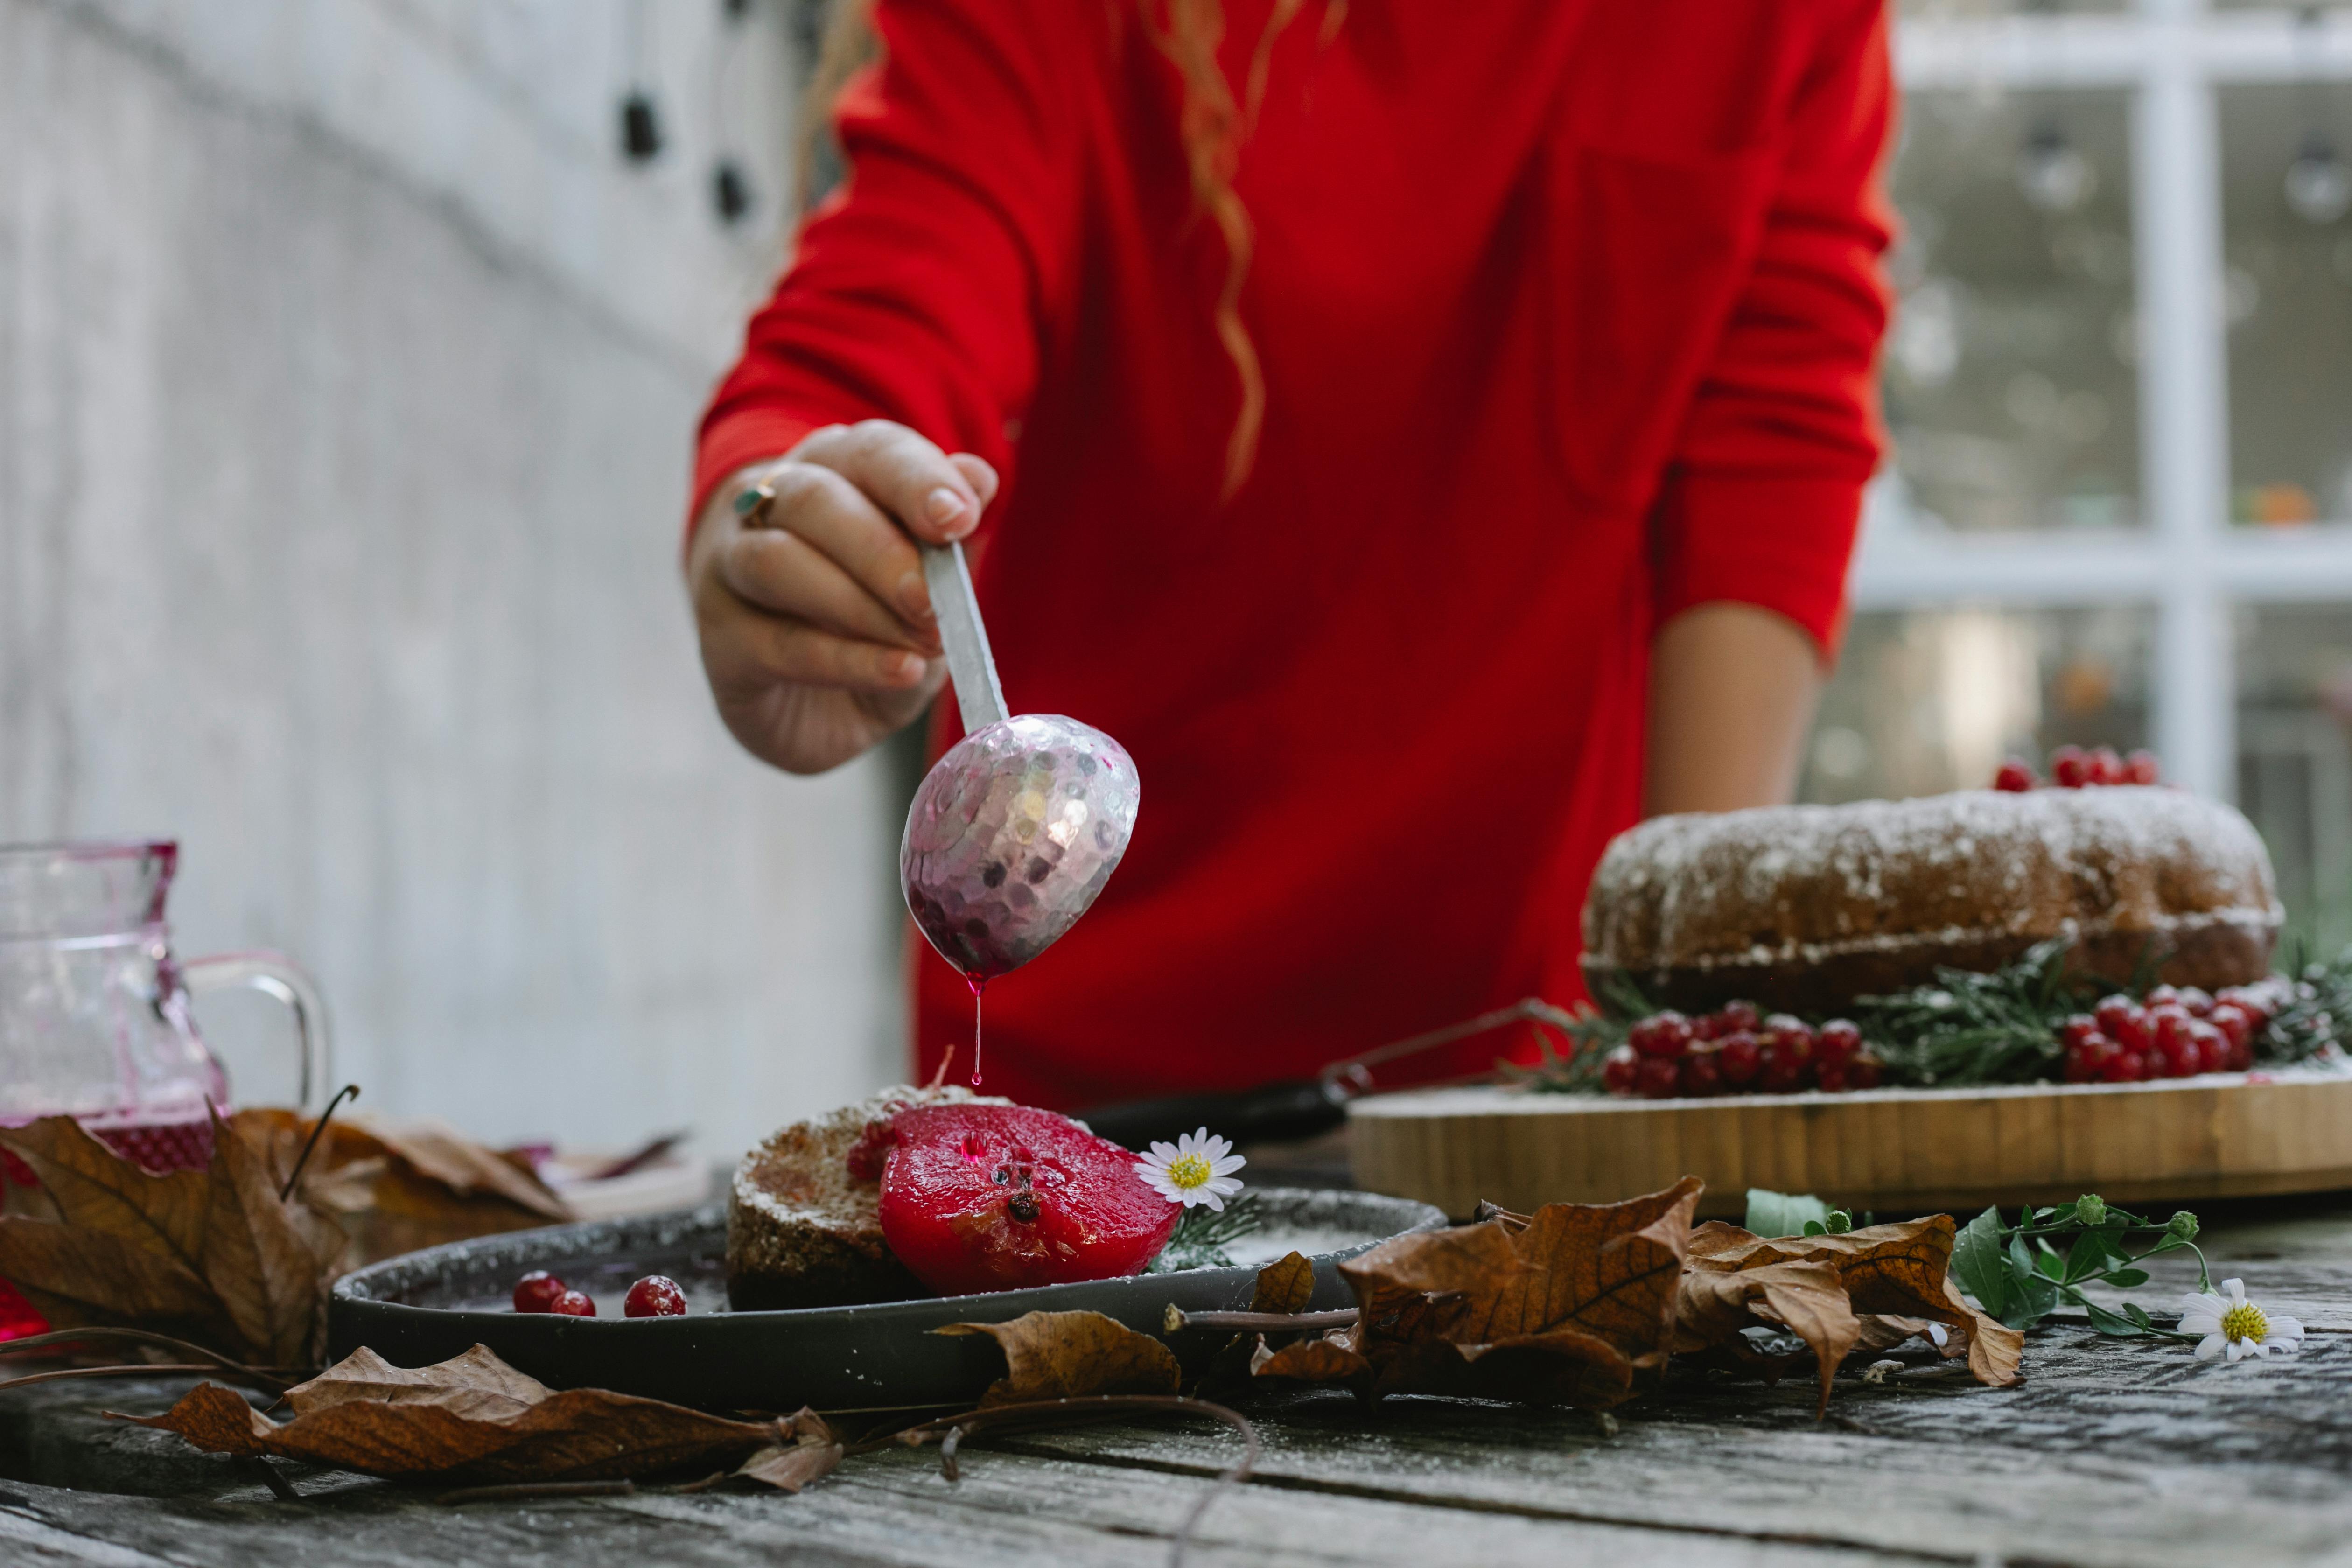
<point x="2286" y="188"/>
<point x="2010" y="381"/>
<point x="2294" y="763"/>
<point x="1928" y="701"/>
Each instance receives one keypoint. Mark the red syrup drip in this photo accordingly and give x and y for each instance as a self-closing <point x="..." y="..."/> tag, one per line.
<point x="979" y="983"/>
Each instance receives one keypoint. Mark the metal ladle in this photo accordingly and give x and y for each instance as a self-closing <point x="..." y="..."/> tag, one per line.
<point x="1015" y="831"/>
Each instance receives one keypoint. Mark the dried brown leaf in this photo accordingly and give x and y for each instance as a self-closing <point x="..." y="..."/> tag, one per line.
<point x="1069" y="1356"/>
<point x="256" y="1261"/>
<point x="440" y="1153"/>
<point x="1285" y="1285"/>
<point x="476" y="1383"/>
<point x="82" y="1279"/>
<point x="812" y="1451"/>
<point x="1806" y="1298"/>
<point x="1565" y="1306"/>
<point x="425" y="1426"/>
<point x="96" y="1189"/>
<point x="1899" y="1270"/>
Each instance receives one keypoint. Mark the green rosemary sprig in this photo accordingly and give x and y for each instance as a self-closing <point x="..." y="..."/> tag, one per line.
<point x="2000" y="1027"/>
<point x="1202" y="1234"/>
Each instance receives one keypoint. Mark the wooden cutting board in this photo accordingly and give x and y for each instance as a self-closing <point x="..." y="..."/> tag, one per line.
<point x="1894" y="1149"/>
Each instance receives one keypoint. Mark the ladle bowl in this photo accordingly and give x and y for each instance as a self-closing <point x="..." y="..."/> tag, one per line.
<point x="1015" y="829"/>
<point x="1013" y="834"/>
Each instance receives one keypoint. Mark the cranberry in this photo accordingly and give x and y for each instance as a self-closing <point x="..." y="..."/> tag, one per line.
<point x="1831" y="1076"/>
<point x="2140" y="768"/>
<point x="2232" y="1020"/>
<point x="1837" y="1041"/>
<point x="1785" y="1070"/>
<point x="1736" y="1016"/>
<point x="2070" y="767"/>
<point x="537" y="1290"/>
<point x="1865" y="1071"/>
<point x="1660" y="1035"/>
<point x="2081" y="1069"/>
<point x="2251" y="1000"/>
<point x="1738" y="1058"/>
<point x="2082" y="1026"/>
<point x="2106" y="768"/>
<point x="2123" y="1020"/>
<point x="1657" y="1077"/>
<point x="2199" y="1003"/>
<point x="2241" y="1056"/>
<point x="573" y="1304"/>
<point x="1617" y="1071"/>
<point x="1706" y="1027"/>
<point x="2014" y="776"/>
<point x="2087" y="1062"/>
<point x="654" y="1296"/>
<point x="2125" y="1066"/>
<point x="1701" y="1075"/>
<point x="2162" y="996"/>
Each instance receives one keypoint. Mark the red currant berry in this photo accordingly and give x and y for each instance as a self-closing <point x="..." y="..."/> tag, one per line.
<point x="2249" y="1000"/>
<point x="2140" y="768"/>
<point x="1658" y="1036"/>
<point x="1657" y="1077"/>
<point x="1739" y="1056"/>
<point x="1701" y="1075"/>
<point x="1619" y="1070"/>
<point x="2013" y="776"/>
<point x="1837" y="1041"/>
<point x="573" y="1304"/>
<point x="1706" y="1027"/>
<point x="2241" y="1056"/>
<point x="1675" y="1030"/>
<point x="1865" y="1071"/>
<point x="537" y="1290"/>
<point x="654" y="1296"/>
<point x="2070" y="767"/>
<point x="2075" y="1030"/>
<point x="1735" y="1015"/>
<point x="2199" y="1003"/>
<point x="2127" y="1066"/>
<point x="2080" y="1068"/>
<point x="2122" y="1020"/>
<point x="2106" y="768"/>
<point x="2234" y="1021"/>
<point x="1830" y="1077"/>
<point x="2213" y="1046"/>
<point x="2162" y="996"/>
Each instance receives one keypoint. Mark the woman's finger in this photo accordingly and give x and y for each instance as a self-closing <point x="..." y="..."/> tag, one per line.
<point x="824" y="509"/>
<point x="761" y="648"/>
<point x="907" y="476"/>
<point x="779" y="571"/>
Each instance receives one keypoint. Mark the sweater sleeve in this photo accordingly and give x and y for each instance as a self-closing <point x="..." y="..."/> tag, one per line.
<point x="1764" y="491"/>
<point x="920" y="291"/>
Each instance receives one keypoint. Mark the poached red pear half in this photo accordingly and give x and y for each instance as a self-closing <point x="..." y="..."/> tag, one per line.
<point x="1003" y="1198"/>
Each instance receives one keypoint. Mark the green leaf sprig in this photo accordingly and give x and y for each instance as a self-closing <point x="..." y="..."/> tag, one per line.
<point x="2019" y="1274"/>
<point x="1202" y="1234"/>
<point x="2000" y="1027"/>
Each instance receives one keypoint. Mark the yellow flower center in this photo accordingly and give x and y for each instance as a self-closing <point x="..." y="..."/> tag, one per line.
<point x="1190" y="1171"/>
<point x="2245" y="1324"/>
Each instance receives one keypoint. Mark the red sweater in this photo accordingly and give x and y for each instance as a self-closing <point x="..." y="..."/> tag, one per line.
<point x="1568" y="311"/>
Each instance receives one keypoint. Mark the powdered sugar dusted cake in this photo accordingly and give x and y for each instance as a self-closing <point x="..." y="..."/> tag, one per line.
<point x="803" y="1217"/>
<point x="1803" y="908"/>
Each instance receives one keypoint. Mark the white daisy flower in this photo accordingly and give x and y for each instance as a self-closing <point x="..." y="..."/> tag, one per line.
<point x="1195" y="1169"/>
<point x="2233" y="1326"/>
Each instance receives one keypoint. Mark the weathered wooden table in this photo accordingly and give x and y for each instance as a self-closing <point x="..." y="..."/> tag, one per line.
<point x="2125" y="1453"/>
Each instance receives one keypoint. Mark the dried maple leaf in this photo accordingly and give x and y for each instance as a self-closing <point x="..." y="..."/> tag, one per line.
<point x="1563" y="1306"/>
<point x="470" y="1418"/>
<point x="213" y="1256"/>
<point x="1069" y="1356"/>
<point x="1805" y="1298"/>
<point x="1897" y="1271"/>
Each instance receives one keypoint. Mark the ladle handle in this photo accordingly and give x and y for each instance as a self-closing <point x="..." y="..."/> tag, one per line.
<point x="969" y="664"/>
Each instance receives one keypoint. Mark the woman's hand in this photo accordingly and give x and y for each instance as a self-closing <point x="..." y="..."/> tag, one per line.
<point x="817" y="632"/>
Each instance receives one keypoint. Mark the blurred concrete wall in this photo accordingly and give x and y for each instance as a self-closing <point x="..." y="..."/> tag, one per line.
<point x="347" y="379"/>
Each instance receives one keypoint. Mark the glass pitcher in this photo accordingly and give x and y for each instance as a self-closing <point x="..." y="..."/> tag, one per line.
<point x="94" y="1008"/>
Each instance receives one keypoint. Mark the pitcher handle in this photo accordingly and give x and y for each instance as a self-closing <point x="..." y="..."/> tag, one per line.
<point x="279" y="977"/>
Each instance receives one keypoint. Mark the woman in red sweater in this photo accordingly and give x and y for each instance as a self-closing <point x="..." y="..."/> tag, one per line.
<point x="1428" y="437"/>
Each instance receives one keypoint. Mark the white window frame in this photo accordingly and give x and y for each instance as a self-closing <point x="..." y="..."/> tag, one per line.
<point x="2188" y="564"/>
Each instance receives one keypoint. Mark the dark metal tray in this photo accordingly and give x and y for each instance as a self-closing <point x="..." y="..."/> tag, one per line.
<point x="427" y="1306"/>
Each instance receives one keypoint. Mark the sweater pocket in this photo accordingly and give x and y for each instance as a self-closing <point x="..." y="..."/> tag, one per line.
<point x="1643" y="258"/>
